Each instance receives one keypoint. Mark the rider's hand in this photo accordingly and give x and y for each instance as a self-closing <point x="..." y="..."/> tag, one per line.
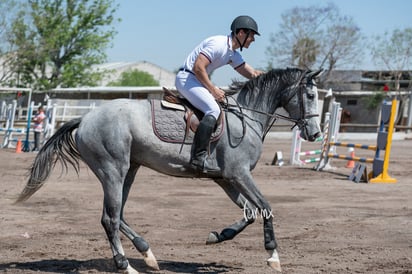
<point x="218" y="94"/>
<point x="257" y="73"/>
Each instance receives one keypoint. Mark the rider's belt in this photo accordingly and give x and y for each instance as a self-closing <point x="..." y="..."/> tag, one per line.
<point x="186" y="70"/>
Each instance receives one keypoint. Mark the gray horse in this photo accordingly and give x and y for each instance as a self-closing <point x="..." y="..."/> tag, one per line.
<point x="117" y="138"/>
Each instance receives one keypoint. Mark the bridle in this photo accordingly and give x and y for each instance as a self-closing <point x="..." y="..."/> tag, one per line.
<point x="301" y="122"/>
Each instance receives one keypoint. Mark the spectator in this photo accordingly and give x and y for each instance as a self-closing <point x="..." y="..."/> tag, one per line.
<point x="38" y="127"/>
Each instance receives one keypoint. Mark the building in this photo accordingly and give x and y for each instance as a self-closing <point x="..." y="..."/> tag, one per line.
<point x="366" y="80"/>
<point x="115" y="69"/>
<point x="361" y="93"/>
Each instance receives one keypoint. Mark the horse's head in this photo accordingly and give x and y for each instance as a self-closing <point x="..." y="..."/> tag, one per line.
<point x="300" y="100"/>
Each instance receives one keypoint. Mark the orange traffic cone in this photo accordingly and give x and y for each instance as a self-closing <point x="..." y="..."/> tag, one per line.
<point x="18" y="146"/>
<point x="351" y="163"/>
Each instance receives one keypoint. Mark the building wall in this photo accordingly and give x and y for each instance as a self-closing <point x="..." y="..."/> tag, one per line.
<point x="164" y="77"/>
<point x="355" y="110"/>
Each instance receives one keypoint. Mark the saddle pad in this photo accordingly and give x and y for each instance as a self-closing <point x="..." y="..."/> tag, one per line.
<point x="169" y="125"/>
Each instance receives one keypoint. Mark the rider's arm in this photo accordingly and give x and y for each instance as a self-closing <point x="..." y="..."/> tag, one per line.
<point x="199" y="69"/>
<point x="247" y="71"/>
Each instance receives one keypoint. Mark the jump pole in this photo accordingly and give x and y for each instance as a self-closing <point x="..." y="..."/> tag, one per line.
<point x="26" y="144"/>
<point x="332" y="125"/>
<point x="9" y="127"/>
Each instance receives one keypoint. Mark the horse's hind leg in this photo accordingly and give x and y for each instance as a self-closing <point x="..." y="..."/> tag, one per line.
<point x="111" y="174"/>
<point x="112" y="187"/>
<point x="141" y="245"/>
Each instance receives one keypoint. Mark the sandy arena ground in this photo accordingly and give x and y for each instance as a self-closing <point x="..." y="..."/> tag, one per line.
<point x="324" y="222"/>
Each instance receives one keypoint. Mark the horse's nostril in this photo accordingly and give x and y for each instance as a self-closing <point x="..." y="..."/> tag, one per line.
<point x="313" y="137"/>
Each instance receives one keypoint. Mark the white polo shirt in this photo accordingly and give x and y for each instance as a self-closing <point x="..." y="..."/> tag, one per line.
<point x="218" y="49"/>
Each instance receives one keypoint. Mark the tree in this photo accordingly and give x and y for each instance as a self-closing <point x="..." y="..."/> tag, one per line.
<point x="58" y="41"/>
<point x="8" y="9"/>
<point x="135" y="78"/>
<point x="304" y="52"/>
<point x="393" y="51"/>
<point x="315" y="36"/>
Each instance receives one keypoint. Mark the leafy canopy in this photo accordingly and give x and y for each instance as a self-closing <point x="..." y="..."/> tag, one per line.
<point x="135" y="78"/>
<point x="58" y="41"/>
<point x="315" y="36"/>
<point x="392" y="50"/>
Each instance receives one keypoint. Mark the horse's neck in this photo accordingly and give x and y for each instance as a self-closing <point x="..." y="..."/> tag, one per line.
<point x="260" y="119"/>
<point x="267" y="99"/>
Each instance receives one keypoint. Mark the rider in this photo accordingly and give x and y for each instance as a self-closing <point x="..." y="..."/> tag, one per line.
<point x="193" y="82"/>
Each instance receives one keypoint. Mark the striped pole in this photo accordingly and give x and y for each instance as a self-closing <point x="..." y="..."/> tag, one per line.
<point x="345" y="157"/>
<point x="310" y="152"/>
<point x="362" y="146"/>
<point x="311" y="160"/>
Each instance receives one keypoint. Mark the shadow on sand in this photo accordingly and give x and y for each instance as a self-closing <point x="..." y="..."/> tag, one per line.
<point x="107" y="266"/>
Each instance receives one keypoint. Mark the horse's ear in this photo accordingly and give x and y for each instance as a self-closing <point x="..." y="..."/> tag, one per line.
<point x="315" y="74"/>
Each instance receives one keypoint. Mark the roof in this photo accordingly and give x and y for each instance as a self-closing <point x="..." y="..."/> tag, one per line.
<point x="164" y="77"/>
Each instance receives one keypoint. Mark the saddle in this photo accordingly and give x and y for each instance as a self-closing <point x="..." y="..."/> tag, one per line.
<point x="176" y="120"/>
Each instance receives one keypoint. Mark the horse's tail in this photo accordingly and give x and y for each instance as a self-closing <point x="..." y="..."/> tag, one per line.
<point x="60" y="147"/>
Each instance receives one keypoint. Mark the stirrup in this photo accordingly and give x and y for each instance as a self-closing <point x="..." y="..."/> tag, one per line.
<point x="205" y="165"/>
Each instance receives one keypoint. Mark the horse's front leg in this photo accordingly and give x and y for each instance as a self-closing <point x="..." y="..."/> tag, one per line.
<point x="270" y="242"/>
<point x="249" y="197"/>
<point x="231" y="231"/>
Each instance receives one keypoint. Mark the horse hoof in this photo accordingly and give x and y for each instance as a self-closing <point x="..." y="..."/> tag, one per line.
<point x="213" y="238"/>
<point x="274" y="261"/>
<point x="274" y="265"/>
<point x="130" y="270"/>
<point x="150" y="259"/>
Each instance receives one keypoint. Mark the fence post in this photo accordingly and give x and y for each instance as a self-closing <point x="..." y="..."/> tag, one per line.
<point x="53" y="119"/>
<point x="26" y="146"/>
<point x="409" y="123"/>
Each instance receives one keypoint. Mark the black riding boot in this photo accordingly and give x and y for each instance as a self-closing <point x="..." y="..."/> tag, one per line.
<point x="200" y="159"/>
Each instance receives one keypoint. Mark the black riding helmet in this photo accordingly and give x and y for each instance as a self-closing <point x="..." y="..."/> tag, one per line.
<point x="244" y="22"/>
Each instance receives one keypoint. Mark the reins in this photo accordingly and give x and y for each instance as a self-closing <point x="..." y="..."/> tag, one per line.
<point x="300" y="123"/>
<point x="297" y="122"/>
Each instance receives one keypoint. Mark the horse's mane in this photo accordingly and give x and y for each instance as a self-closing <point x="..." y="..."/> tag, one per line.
<point x="257" y="92"/>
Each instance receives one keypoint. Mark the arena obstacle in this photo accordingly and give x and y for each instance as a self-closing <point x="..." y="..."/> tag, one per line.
<point x="330" y="130"/>
<point x="8" y="112"/>
<point x="8" y="129"/>
<point x="296" y="152"/>
<point x="379" y="173"/>
<point x="278" y="159"/>
<point x="359" y="173"/>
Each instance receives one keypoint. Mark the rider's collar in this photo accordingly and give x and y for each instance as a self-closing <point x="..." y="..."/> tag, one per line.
<point x="230" y="42"/>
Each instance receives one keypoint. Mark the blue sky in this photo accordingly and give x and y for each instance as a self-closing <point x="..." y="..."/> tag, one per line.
<point x="163" y="32"/>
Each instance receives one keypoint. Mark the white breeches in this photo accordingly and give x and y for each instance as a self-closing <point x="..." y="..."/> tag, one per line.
<point x="190" y="88"/>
